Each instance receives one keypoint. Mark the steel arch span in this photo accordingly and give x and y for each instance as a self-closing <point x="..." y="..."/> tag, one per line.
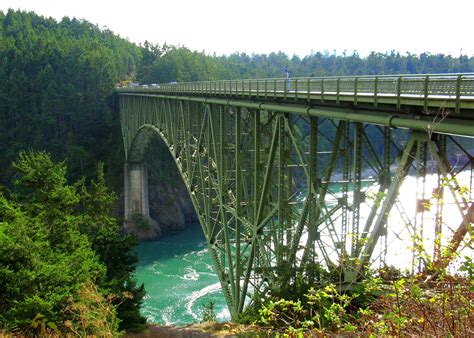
<point x="281" y="188"/>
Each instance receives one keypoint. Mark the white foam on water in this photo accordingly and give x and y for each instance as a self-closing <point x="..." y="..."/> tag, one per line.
<point x="194" y="253"/>
<point x="207" y="273"/>
<point x="150" y="313"/>
<point x="210" y="268"/>
<point x="191" y="274"/>
<point x="167" y="314"/>
<point x="223" y="314"/>
<point x="202" y="252"/>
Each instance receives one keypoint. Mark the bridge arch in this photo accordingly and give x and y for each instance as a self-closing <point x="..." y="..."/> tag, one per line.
<point x="136" y="190"/>
<point x="136" y="173"/>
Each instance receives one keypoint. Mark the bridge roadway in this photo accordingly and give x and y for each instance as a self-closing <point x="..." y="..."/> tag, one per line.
<point x="396" y="100"/>
<point x="278" y="171"/>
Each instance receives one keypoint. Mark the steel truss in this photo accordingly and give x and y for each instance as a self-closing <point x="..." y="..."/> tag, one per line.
<point x="278" y="193"/>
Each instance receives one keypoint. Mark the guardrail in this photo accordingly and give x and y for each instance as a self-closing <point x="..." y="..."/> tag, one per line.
<point x="422" y="90"/>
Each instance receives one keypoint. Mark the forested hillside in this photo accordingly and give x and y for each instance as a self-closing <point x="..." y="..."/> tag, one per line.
<point x="55" y="79"/>
<point x="64" y="264"/>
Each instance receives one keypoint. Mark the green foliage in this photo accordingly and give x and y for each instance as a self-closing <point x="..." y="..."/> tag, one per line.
<point x="56" y="238"/>
<point x="467" y="267"/>
<point x="42" y="326"/>
<point x="43" y="254"/>
<point x="285" y="315"/>
<point x="405" y="306"/>
<point x="141" y="223"/>
<point x="412" y="307"/>
<point x="324" y="308"/>
<point x="162" y="64"/>
<point x="208" y="312"/>
<point x="114" y="250"/>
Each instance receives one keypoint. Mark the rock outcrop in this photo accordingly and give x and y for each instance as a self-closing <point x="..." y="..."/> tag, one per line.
<point x="171" y="206"/>
<point x="171" y="210"/>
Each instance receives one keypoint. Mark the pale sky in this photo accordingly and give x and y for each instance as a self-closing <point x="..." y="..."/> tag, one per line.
<point x="291" y="26"/>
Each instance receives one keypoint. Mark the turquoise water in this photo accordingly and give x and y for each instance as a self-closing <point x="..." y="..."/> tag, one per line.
<point x="178" y="277"/>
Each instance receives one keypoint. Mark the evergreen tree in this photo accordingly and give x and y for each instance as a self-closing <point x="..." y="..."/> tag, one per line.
<point x="57" y="239"/>
<point x="44" y="257"/>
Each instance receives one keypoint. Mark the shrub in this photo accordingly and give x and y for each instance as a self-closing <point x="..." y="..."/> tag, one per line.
<point x="208" y="312"/>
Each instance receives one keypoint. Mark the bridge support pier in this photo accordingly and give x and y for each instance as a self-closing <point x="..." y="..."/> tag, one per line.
<point x="136" y="191"/>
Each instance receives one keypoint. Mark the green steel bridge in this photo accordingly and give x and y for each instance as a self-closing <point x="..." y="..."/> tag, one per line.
<point x="287" y="175"/>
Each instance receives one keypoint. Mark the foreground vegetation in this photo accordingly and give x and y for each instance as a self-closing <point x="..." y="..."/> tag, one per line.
<point x="385" y="304"/>
<point x="405" y="306"/>
<point x="64" y="267"/>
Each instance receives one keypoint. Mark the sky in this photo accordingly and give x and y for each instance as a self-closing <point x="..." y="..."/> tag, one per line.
<point x="295" y="27"/>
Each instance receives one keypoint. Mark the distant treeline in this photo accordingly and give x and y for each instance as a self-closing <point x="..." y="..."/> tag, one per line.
<point x="170" y="63"/>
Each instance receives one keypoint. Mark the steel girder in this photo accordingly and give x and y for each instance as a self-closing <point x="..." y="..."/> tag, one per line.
<point x="278" y="193"/>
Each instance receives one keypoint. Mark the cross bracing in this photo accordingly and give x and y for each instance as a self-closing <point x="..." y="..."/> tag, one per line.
<point x="285" y="176"/>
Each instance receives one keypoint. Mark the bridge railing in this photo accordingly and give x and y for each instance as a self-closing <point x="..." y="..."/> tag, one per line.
<point x="438" y="84"/>
<point x="456" y="89"/>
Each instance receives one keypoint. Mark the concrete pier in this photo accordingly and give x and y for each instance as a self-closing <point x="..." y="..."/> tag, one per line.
<point x="136" y="190"/>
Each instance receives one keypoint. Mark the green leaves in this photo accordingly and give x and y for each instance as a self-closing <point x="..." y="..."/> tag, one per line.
<point x="43" y="254"/>
<point x="208" y="312"/>
<point x="54" y="239"/>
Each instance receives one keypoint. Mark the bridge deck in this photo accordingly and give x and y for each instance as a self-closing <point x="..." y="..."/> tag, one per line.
<point x="404" y="92"/>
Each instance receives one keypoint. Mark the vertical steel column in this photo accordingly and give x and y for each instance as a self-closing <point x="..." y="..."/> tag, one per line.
<point x="256" y="162"/>
<point x="357" y="196"/>
<point x="415" y="236"/>
<point x="313" y="186"/>
<point x="238" y="193"/>
<point x="385" y="182"/>
<point x="345" y="187"/>
<point x="207" y="170"/>
<point x="439" y="194"/>
<point x="222" y="170"/>
<point x="288" y="181"/>
<point x="281" y="191"/>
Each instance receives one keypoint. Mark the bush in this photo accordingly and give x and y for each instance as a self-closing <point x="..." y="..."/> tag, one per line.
<point x="324" y="308"/>
<point x="208" y="312"/>
<point x="411" y="307"/>
<point x="406" y="306"/>
<point x="91" y="314"/>
<point x="57" y="241"/>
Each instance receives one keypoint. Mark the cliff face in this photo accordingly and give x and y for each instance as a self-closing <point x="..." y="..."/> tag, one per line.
<point x="171" y="207"/>
<point x="171" y="210"/>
